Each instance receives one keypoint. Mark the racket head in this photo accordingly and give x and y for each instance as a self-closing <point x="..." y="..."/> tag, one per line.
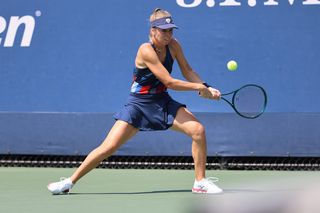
<point x="249" y="101"/>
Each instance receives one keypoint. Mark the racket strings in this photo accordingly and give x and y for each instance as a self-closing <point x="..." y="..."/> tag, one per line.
<point x="250" y="101"/>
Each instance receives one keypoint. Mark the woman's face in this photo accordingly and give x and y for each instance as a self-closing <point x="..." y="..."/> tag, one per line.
<point x="163" y="37"/>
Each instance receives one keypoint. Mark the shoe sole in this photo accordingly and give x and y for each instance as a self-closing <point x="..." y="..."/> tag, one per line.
<point x="200" y="191"/>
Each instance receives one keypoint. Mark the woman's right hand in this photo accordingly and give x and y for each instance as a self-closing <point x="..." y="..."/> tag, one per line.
<point x="209" y="93"/>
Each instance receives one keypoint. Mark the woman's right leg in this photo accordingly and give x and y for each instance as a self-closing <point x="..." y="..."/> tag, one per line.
<point x="120" y="133"/>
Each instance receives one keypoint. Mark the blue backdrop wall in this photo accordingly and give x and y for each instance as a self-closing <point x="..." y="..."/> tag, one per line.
<point x="66" y="67"/>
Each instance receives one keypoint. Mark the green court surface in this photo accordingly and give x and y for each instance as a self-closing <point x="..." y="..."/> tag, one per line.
<point x="110" y="190"/>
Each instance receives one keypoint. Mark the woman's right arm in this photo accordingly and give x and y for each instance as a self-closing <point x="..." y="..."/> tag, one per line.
<point x="148" y="58"/>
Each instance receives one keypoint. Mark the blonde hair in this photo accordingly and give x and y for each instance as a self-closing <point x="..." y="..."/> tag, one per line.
<point x="156" y="14"/>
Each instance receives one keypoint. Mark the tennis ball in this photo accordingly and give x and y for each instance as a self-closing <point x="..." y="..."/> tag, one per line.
<point x="232" y="65"/>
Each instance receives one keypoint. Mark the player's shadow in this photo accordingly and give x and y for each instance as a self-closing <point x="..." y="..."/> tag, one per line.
<point x="132" y="193"/>
<point x="225" y="191"/>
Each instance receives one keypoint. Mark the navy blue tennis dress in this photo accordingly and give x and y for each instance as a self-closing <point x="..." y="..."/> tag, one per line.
<point x="149" y="106"/>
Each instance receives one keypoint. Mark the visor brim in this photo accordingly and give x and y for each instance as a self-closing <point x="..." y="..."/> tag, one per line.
<point x="167" y="26"/>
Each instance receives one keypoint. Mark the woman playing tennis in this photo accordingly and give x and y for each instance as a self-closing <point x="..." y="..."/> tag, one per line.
<point x="149" y="106"/>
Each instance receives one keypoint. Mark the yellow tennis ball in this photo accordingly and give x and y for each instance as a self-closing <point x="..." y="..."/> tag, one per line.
<point x="232" y="65"/>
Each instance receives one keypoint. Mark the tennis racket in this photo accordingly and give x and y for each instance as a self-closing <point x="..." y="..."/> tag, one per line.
<point x="249" y="101"/>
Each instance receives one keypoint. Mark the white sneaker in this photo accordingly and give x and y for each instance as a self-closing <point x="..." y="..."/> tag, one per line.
<point x="61" y="187"/>
<point x="206" y="186"/>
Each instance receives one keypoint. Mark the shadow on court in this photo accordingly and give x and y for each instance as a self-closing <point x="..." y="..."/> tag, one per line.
<point x="226" y="191"/>
<point x="133" y="193"/>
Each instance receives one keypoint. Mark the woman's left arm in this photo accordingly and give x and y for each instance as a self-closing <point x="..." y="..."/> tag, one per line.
<point x="186" y="70"/>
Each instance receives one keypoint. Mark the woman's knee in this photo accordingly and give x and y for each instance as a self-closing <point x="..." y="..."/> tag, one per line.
<point x="198" y="132"/>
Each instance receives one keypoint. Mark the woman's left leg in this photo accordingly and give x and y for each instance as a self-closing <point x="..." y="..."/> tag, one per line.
<point x="187" y="123"/>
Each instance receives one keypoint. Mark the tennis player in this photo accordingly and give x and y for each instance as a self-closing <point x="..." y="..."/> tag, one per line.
<point x="150" y="107"/>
